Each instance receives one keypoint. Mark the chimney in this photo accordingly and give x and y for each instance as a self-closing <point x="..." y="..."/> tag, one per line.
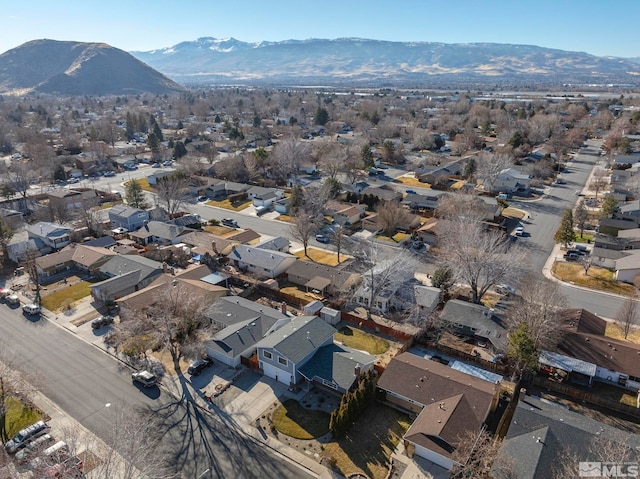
<point x="165" y="267"/>
<point x="357" y="370"/>
<point x="283" y="308"/>
<point x="523" y="394"/>
<point x="213" y="246"/>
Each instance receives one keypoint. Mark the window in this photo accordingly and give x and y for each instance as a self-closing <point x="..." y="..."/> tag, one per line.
<point x="267" y="354"/>
<point x="283" y="361"/>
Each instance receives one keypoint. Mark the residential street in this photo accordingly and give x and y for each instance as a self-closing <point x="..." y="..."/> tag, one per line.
<point x="92" y="386"/>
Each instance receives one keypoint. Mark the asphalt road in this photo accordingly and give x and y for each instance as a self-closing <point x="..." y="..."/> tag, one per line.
<point x="82" y="379"/>
<point x="545" y="220"/>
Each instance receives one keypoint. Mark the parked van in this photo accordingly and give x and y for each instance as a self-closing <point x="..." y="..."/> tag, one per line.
<point x="32" y="309"/>
<point x="25" y="436"/>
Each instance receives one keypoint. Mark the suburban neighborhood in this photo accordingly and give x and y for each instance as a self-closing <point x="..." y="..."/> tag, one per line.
<point x="362" y="290"/>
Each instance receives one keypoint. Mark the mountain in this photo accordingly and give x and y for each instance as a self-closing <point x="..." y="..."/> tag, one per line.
<point x="74" y="68"/>
<point x="372" y="62"/>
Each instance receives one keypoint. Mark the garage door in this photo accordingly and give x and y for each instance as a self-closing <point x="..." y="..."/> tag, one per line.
<point x="273" y="372"/>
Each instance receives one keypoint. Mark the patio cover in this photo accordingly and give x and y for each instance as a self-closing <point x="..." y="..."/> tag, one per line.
<point x="318" y="283"/>
<point x="567" y="364"/>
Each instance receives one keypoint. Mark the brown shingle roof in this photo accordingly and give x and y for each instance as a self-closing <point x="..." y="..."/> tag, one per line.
<point x="454" y="402"/>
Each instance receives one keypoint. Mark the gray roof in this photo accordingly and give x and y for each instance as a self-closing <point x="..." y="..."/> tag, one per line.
<point x="267" y="259"/>
<point x="427" y="296"/>
<point x="421" y="201"/>
<point x="310" y="270"/>
<point x="235" y="339"/>
<point x="44" y="228"/>
<point x="608" y="253"/>
<point x="337" y="364"/>
<point x="476" y="316"/>
<point x="120" y="265"/>
<point x="632" y="233"/>
<point x="159" y="230"/>
<point x="542" y="435"/>
<point x="630" y="207"/>
<point x="230" y="310"/>
<point x="275" y="244"/>
<point x="103" y="242"/>
<point x="112" y="286"/>
<point x="125" y="211"/>
<point x="301" y="337"/>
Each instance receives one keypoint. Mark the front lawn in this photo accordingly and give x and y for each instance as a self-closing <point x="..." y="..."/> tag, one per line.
<point x="411" y="181"/>
<point x="616" y="332"/>
<point x="144" y="184"/>
<point x="598" y="278"/>
<point x="357" y="339"/>
<point x="18" y="416"/>
<point x="291" y="419"/>
<point x="367" y="446"/>
<point x="227" y="205"/>
<point x="396" y="238"/>
<point x="320" y="256"/>
<point x="66" y="296"/>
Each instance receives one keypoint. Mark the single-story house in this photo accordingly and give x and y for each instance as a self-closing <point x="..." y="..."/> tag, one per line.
<point x="202" y="242"/>
<point x="449" y="403"/>
<point x="627" y="267"/>
<point x="189" y="283"/>
<point x="261" y="196"/>
<point x="511" y="180"/>
<point x="262" y="262"/>
<point x="585" y="354"/>
<point x="124" y="275"/>
<point x="606" y="258"/>
<point x="278" y="243"/>
<point x="80" y="256"/>
<point x="543" y="434"/>
<point x="322" y="278"/>
<point x="62" y="199"/>
<point x="160" y="233"/>
<point x="476" y="321"/>
<point x="282" y="205"/>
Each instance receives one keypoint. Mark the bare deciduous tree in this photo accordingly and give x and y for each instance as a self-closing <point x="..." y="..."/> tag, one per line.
<point x="172" y="191"/>
<point x="287" y="156"/>
<point x="581" y="216"/>
<point x="383" y="271"/>
<point x="627" y="316"/>
<point x="539" y="304"/>
<point x="303" y="227"/>
<point x="391" y="215"/>
<point x="599" y="181"/>
<point x="476" y="453"/>
<point x="477" y="256"/>
<point x="490" y="166"/>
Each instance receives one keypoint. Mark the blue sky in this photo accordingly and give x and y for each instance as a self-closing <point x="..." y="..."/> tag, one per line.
<point x="592" y="26"/>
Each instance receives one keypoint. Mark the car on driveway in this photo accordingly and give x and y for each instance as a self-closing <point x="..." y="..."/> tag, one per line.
<point x="519" y="231"/>
<point x="146" y="378"/>
<point x="101" y="322"/>
<point x="323" y="239"/>
<point x="202" y="199"/>
<point x="199" y="365"/>
<point x="506" y="289"/>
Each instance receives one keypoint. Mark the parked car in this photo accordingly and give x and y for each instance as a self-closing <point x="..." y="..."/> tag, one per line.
<point x="109" y="174"/>
<point x="411" y="192"/>
<point x="582" y="248"/>
<point x="502" y="196"/>
<point x="5" y="292"/>
<point x="199" y="365"/>
<point x="229" y="222"/>
<point x="167" y="163"/>
<point x="202" y="198"/>
<point x="101" y="321"/>
<point x="33" y="447"/>
<point x="561" y="181"/>
<point x="572" y="255"/>
<point x="31" y="309"/>
<point x="73" y="180"/>
<point x="506" y="289"/>
<point x="13" y="300"/>
<point x="156" y="165"/>
<point x="146" y="378"/>
<point x="25" y="436"/>
<point x="519" y="231"/>
<point x="323" y="239"/>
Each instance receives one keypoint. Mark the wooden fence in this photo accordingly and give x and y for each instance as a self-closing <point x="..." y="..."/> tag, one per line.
<point x="581" y="395"/>
<point x="372" y="325"/>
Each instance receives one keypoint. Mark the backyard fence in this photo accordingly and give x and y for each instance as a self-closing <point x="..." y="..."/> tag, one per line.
<point x="581" y="395"/>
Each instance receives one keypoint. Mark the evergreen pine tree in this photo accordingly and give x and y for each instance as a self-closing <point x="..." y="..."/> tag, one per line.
<point x="565" y="233"/>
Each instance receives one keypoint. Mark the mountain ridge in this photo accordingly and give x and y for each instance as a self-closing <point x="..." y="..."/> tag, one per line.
<point x="78" y="68"/>
<point x="349" y="60"/>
